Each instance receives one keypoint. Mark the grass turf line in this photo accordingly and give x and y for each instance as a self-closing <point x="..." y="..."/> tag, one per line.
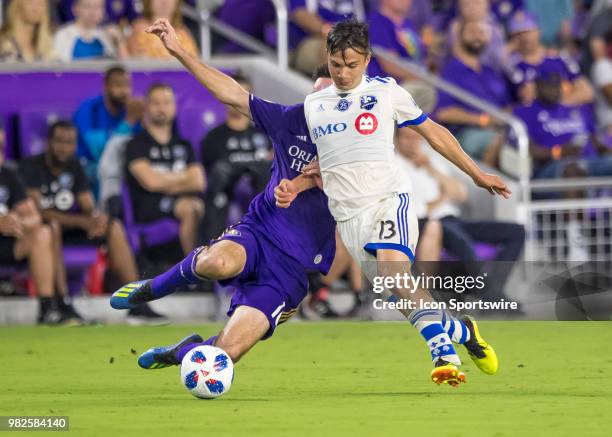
<point x="316" y="379"/>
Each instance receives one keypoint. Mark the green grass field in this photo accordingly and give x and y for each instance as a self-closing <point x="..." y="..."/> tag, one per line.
<point x="316" y="379"/>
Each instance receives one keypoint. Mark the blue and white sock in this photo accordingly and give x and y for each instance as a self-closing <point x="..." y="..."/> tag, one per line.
<point x="455" y="328"/>
<point x="428" y="323"/>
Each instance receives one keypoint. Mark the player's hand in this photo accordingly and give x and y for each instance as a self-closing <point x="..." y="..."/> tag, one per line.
<point x="166" y="33"/>
<point x="493" y="184"/>
<point x="285" y="193"/>
<point x="11" y="225"/>
<point x="98" y="225"/>
<point x="313" y="170"/>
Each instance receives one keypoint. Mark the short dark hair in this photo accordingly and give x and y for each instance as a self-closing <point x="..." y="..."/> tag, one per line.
<point x="349" y="34"/>
<point x="110" y="72"/>
<point x="158" y="86"/>
<point x="59" y="124"/>
<point x="240" y="77"/>
<point x="321" y="71"/>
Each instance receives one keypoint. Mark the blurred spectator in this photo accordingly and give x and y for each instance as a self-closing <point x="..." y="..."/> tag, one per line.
<point x="98" y="118"/>
<point x="311" y="21"/>
<point x="475" y="130"/>
<point x="495" y="54"/>
<point x="562" y="138"/>
<point x="234" y="149"/>
<point x="144" y="45"/>
<point x="119" y="12"/>
<point x="56" y="182"/>
<point x="531" y="56"/>
<point x="86" y="38"/>
<point x="442" y="194"/>
<point x="23" y="236"/>
<point x="554" y="18"/>
<point x="25" y="35"/>
<point x="253" y="19"/>
<point x="392" y="30"/>
<point x="599" y="24"/>
<point x="504" y="10"/>
<point x="602" y="79"/>
<point x="320" y="286"/>
<point x="163" y="177"/>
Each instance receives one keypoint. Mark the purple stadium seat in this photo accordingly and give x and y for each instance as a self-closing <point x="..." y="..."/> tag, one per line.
<point x="33" y="124"/>
<point x="147" y="234"/>
<point x="195" y="122"/>
<point x="484" y="252"/>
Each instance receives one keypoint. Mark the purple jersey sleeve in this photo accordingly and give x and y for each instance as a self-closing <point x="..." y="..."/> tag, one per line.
<point x="274" y="118"/>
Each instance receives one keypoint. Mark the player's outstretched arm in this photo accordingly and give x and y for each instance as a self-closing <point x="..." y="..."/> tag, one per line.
<point x="223" y="87"/>
<point x="447" y="145"/>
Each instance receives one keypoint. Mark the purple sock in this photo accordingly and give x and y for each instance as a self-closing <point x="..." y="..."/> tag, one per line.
<point x="181" y="274"/>
<point x="183" y="350"/>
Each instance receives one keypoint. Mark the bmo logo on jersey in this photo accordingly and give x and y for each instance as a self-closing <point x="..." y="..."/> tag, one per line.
<point x="366" y="123"/>
<point x="321" y="131"/>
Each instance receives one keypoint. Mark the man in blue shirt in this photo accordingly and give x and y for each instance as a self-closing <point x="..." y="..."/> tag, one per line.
<point x="99" y="118"/>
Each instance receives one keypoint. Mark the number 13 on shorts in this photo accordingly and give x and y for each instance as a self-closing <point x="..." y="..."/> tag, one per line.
<point x="396" y="227"/>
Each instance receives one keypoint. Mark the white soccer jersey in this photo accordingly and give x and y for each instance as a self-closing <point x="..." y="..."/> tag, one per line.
<point x="353" y="131"/>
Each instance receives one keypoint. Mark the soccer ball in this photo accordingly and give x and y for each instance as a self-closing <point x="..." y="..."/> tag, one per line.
<point x="207" y="372"/>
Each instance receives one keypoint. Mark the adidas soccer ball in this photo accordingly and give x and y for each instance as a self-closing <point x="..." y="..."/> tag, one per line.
<point x="207" y="372"/>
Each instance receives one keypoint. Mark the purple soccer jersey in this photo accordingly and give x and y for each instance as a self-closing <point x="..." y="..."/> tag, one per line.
<point x="522" y="71"/>
<point x="549" y="126"/>
<point x="306" y="230"/>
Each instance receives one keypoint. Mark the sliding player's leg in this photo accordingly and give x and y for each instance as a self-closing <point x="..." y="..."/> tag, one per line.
<point x="243" y="330"/>
<point x="224" y="259"/>
<point x="257" y="308"/>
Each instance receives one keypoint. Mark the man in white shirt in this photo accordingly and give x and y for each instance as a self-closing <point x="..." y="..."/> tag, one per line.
<point x="352" y="123"/>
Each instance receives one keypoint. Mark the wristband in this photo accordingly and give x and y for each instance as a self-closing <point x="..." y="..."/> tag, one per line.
<point x="555" y="152"/>
<point x="484" y="120"/>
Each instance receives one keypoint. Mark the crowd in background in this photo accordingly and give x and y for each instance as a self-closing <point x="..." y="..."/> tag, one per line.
<point x="545" y="61"/>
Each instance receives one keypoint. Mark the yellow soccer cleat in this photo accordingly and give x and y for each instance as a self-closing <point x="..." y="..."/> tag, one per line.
<point x="447" y="373"/>
<point x="480" y="351"/>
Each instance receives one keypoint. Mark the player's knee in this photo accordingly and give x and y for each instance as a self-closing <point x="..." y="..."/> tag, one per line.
<point x="213" y="267"/>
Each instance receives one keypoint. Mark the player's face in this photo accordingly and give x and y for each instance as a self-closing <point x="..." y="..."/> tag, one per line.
<point x="346" y="71"/>
<point x="161" y="107"/>
<point x="89" y="12"/>
<point x="321" y="83"/>
<point x="119" y="89"/>
<point x="62" y="144"/>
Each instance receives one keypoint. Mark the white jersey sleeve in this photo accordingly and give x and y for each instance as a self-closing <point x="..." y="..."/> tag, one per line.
<point x="405" y="110"/>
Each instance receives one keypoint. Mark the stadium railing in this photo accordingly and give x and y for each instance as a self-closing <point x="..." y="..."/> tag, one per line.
<point x="557" y="229"/>
<point x="208" y="23"/>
